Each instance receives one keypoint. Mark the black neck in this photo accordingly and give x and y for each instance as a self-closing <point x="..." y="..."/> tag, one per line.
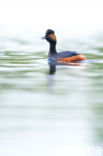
<point x="52" y="49"/>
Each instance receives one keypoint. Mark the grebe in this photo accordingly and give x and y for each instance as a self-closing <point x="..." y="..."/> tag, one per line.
<point x="64" y="56"/>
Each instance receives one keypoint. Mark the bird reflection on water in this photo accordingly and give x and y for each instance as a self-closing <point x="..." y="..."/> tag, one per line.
<point x="52" y="70"/>
<point x="52" y="66"/>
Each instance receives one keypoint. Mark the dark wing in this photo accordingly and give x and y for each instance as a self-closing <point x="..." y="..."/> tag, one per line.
<point x="66" y="54"/>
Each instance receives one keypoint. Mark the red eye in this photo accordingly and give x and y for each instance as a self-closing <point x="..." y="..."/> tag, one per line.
<point x="48" y="35"/>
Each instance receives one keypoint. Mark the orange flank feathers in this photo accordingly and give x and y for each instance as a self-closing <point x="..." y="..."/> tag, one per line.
<point x="72" y="59"/>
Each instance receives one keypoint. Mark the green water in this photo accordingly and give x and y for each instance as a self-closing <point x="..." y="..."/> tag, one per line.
<point x="43" y="114"/>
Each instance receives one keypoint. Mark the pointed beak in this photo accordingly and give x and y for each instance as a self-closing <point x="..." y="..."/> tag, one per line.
<point x="43" y="37"/>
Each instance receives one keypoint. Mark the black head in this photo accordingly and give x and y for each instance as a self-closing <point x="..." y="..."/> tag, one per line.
<point x="50" y="36"/>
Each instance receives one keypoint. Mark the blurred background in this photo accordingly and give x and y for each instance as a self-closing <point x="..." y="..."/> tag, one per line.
<point x="43" y="114"/>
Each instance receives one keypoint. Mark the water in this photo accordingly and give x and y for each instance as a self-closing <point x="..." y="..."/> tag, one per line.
<point x="50" y="114"/>
<point x="57" y="114"/>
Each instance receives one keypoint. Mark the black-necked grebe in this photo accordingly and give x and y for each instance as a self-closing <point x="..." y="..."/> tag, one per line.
<point x="64" y="56"/>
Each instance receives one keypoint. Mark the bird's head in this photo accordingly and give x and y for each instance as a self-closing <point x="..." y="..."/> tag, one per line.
<point x="50" y="36"/>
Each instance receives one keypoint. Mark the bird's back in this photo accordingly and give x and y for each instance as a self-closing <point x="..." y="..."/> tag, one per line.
<point x="64" y="54"/>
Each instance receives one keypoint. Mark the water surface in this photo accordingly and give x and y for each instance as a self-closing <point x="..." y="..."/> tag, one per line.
<point x="43" y="114"/>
